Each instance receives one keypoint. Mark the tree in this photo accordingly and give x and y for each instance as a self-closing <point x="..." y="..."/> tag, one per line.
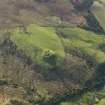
<point x="50" y="57"/>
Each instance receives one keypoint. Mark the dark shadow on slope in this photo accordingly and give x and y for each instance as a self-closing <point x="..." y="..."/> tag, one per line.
<point x="93" y="24"/>
<point x="100" y="76"/>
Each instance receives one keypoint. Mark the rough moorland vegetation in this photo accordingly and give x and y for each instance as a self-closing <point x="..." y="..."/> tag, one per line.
<point x="52" y="52"/>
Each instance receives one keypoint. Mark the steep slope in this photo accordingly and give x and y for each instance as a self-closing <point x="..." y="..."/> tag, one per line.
<point x="50" y="51"/>
<point x="48" y="80"/>
<point x="98" y="9"/>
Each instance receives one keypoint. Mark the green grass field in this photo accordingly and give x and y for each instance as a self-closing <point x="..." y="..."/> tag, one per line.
<point x="38" y="40"/>
<point x="87" y="42"/>
<point x="41" y="39"/>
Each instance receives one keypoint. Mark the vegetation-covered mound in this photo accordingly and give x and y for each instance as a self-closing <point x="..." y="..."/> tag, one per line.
<point x="52" y="52"/>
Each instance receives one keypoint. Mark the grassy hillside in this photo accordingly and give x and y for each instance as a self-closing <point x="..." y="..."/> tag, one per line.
<point x="98" y="10"/>
<point x="52" y="52"/>
<point x="37" y="41"/>
<point x="87" y="42"/>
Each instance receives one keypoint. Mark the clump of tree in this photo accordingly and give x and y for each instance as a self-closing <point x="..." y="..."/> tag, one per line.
<point x="50" y="57"/>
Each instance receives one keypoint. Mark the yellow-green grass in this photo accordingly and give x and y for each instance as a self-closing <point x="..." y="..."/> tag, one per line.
<point x="87" y="42"/>
<point x="98" y="9"/>
<point x="102" y="102"/>
<point x="37" y="40"/>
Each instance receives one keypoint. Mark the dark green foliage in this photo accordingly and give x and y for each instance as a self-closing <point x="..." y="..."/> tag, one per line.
<point x="3" y="82"/>
<point x="100" y="71"/>
<point x="50" y="57"/>
<point x="83" y="4"/>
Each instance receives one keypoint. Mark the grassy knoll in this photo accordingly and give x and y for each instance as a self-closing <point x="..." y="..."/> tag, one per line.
<point x="37" y="40"/>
